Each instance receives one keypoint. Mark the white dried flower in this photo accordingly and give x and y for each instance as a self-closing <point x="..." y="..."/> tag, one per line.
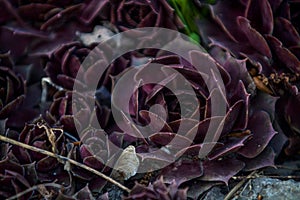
<point x="126" y="165"/>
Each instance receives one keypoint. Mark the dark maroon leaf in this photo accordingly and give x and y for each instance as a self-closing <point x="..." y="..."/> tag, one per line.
<point x="182" y="171"/>
<point x="265" y="159"/>
<point x="261" y="127"/>
<point x="221" y="170"/>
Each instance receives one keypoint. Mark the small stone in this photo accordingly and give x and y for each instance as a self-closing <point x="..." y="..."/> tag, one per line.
<point x="99" y="34"/>
<point x="270" y="189"/>
<point x="214" y="194"/>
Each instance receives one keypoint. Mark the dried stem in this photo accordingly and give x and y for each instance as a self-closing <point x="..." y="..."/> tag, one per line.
<point x="287" y="167"/>
<point x="35" y="187"/>
<point x="59" y="157"/>
<point x="238" y="186"/>
<point x="266" y="176"/>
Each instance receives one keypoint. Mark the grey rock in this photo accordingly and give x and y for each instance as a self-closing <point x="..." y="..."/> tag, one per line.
<point x="114" y="192"/>
<point x="270" y="189"/>
<point x="214" y="194"/>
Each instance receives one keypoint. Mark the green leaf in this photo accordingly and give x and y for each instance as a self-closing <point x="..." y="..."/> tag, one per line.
<point x="187" y="12"/>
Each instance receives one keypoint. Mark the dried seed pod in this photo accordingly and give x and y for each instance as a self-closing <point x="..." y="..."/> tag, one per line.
<point x="127" y="164"/>
<point x="259" y="197"/>
<point x="261" y="86"/>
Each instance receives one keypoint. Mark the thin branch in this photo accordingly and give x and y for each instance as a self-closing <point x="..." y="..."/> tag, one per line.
<point x="266" y="176"/>
<point x="238" y="186"/>
<point x="287" y="167"/>
<point x="283" y="177"/>
<point x="59" y="157"/>
<point x="35" y="187"/>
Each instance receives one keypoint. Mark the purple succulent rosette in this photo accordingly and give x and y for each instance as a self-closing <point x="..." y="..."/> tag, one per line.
<point x="126" y="15"/>
<point x="244" y="143"/>
<point x="92" y="139"/>
<point x="266" y="32"/>
<point x="19" y="90"/>
<point x="287" y="108"/>
<point x="15" y="178"/>
<point x="38" y="28"/>
<point x="12" y="88"/>
<point x="84" y="193"/>
<point x="96" y="140"/>
<point x="39" y="137"/>
<point x="60" y="112"/>
<point x="157" y="190"/>
<point x="41" y="15"/>
<point x="24" y="169"/>
<point x="65" y="63"/>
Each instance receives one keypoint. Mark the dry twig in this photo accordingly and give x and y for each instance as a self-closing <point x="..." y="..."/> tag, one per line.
<point x="238" y="186"/>
<point x="65" y="159"/>
<point x="266" y="176"/>
<point x="35" y="187"/>
<point x="287" y="167"/>
<point x="50" y="134"/>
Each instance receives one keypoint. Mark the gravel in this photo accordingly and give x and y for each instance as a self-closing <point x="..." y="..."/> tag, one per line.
<point x="267" y="188"/>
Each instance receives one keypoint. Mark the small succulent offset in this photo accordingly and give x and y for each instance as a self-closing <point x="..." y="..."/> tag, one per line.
<point x="60" y="112"/>
<point x="126" y="15"/>
<point x="12" y="87"/>
<point x="40" y="135"/>
<point x="157" y="190"/>
<point x="23" y="168"/>
<point x="14" y="178"/>
<point x="54" y="177"/>
<point x="42" y="15"/>
<point x="65" y="62"/>
<point x="288" y="107"/>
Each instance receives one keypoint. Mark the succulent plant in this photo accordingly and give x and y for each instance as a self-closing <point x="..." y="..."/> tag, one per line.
<point x="288" y="119"/>
<point x="254" y="45"/>
<point x="63" y="66"/>
<point x="40" y="14"/>
<point x="20" y="90"/>
<point x="12" y="88"/>
<point x="84" y="193"/>
<point x="126" y="15"/>
<point x="157" y="190"/>
<point x="244" y="143"/>
<point x="60" y="112"/>
<point x="39" y="134"/>
<point x="93" y="151"/>
<point x="39" y="27"/>
<point x="24" y="168"/>
<point x="101" y="151"/>
<point x="14" y="179"/>
<point x="268" y="37"/>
